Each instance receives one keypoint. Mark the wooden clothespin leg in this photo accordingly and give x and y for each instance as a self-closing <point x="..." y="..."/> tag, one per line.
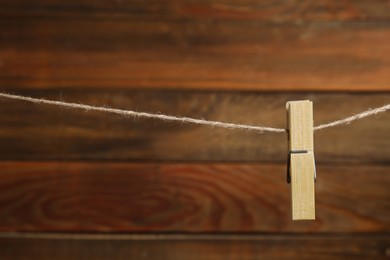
<point x="301" y="168"/>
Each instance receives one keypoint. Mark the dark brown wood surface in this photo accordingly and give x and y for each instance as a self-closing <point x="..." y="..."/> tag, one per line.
<point x="327" y="45"/>
<point x="106" y="197"/>
<point x="193" y="247"/>
<point x="65" y="172"/>
<point x="42" y="132"/>
<point x="176" y="10"/>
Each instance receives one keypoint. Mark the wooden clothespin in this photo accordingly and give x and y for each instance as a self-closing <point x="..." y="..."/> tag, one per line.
<point x="301" y="172"/>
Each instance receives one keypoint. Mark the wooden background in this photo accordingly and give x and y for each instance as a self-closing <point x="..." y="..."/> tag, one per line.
<point x="76" y="185"/>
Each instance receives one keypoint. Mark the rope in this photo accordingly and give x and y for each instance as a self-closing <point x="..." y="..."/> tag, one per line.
<point x="164" y="117"/>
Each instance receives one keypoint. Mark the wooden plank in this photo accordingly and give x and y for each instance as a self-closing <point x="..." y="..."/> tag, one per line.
<point x="301" y="158"/>
<point x="38" y="132"/>
<point x="196" y="54"/>
<point x="196" y="247"/>
<point x="272" y="11"/>
<point x="107" y="197"/>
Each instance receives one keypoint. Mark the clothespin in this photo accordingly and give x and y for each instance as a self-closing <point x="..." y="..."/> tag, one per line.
<point x="301" y="171"/>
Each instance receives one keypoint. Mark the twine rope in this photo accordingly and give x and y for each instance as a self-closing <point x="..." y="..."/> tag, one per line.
<point x="367" y="113"/>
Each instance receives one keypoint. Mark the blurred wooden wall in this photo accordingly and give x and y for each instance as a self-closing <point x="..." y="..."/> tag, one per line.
<point x="76" y="185"/>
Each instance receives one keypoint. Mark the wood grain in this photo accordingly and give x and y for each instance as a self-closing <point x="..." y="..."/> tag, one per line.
<point x="183" y="10"/>
<point x="40" y="132"/>
<point x="107" y="197"/>
<point x="60" y="50"/>
<point x="104" y="52"/>
<point x="194" y="247"/>
<point x="301" y="162"/>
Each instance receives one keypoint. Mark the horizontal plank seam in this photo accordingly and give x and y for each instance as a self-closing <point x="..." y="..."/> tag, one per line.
<point x="192" y="236"/>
